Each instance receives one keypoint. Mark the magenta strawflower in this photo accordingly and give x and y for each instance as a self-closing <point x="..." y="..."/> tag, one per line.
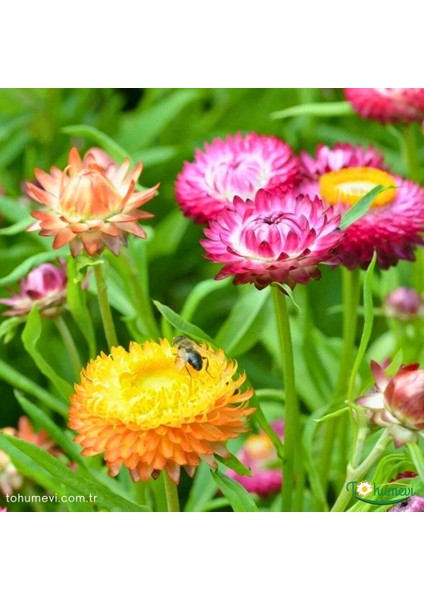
<point x="45" y="286"/>
<point x="404" y="304"/>
<point x="397" y="402"/>
<point x="394" y="224"/>
<point x="258" y="453"/>
<point x="277" y="237"/>
<point x="237" y="166"/>
<point x="412" y="504"/>
<point x="387" y="104"/>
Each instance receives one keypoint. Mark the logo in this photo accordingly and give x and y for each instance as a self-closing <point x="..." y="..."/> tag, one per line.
<point x="386" y="493"/>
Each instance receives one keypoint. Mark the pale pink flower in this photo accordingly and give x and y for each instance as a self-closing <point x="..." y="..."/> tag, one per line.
<point x="387" y="104"/>
<point x="404" y="304"/>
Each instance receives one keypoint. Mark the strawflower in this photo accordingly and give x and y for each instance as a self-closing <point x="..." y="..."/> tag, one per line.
<point x="146" y="411"/>
<point x="44" y="286"/>
<point x="394" y="224"/>
<point x="412" y="504"/>
<point x="404" y="304"/>
<point x="259" y="454"/>
<point x="237" y="166"/>
<point x="387" y="104"/>
<point x="91" y="204"/>
<point x="397" y="402"/>
<point x="277" y="237"/>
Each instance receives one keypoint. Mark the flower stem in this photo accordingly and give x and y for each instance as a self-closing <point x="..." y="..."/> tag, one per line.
<point x="351" y="292"/>
<point x="106" y="313"/>
<point x="292" y="430"/>
<point x="356" y="474"/>
<point x="171" y="492"/>
<point x="69" y="344"/>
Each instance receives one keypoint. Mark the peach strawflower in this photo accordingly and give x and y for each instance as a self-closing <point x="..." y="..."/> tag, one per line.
<point x="146" y="412"/>
<point x="387" y="104"/>
<point x="91" y="204"/>
<point x="239" y="166"/>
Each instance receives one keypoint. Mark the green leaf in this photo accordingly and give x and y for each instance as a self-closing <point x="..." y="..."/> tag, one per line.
<point x="202" y="490"/>
<point x="241" y="319"/>
<point x="240" y="500"/>
<point x="184" y="326"/>
<point x="30" y="337"/>
<point x="417" y="458"/>
<point x="361" y="208"/>
<point x="26" y="265"/>
<point x="91" y="133"/>
<point x="368" y="323"/>
<point x="333" y="414"/>
<point x="12" y="210"/>
<point x="19" y="381"/>
<point x="259" y="417"/>
<point x="16" y="227"/>
<point x="77" y="304"/>
<point x="79" y="484"/>
<point x="151" y="157"/>
<point x="232" y="462"/>
<point x="167" y="235"/>
<point x="55" y="432"/>
<point x="199" y="293"/>
<point x="9" y="328"/>
<point x="316" y="109"/>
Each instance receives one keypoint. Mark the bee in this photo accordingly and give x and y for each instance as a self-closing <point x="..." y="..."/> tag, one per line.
<point x="187" y="353"/>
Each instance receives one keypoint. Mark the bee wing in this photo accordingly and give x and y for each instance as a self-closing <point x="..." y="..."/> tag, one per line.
<point x="180" y="363"/>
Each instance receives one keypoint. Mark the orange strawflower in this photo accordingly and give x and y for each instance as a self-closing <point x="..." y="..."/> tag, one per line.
<point x="148" y="410"/>
<point x="91" y="203"/>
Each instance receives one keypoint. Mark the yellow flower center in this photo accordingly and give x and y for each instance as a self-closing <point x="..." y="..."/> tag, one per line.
<point x="148" y="388"/>
<point x="348" y="186"/>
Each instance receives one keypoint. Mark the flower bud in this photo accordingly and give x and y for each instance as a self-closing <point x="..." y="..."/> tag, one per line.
<point x="404" y="304"/>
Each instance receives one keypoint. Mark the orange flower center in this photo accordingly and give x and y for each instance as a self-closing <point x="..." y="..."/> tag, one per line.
<point x="258" y="446"/>
<point x="348" y="186"/>
<point x="89" y="195"/>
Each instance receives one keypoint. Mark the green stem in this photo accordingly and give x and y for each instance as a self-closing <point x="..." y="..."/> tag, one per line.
<point x="171" y="493"/>
<point x="105" y="312"/>
<point x="140" y="282"/>
<point x="69" y="344"/>
<point x="358" y="473"/>
<point x="409" y="151"/>
<point x="292" y="430"/>
<point x="351" y="293"/>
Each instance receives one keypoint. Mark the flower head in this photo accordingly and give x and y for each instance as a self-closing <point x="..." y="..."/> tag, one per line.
<point x="91" y="204"/>
<point x="149" y="412"/>
<point x="277" y="237"/>
<point x="237" y="166"/>
<point x="397" y="402"/>
<point x="412" y="504"/>
<point x="258" y="453"/>
<point x="394" y="224"/>
<point x="387" y="104"/>
<point x="404" y="304"/>
<point x="44" y="286"/>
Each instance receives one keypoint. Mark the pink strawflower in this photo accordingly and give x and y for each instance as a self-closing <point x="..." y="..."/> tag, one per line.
<point x="3" y="509"/>
<point x="237" y="166"/>
<point x="277" y="237"/>
<point x="45" y="286"/>
<point x="394" y="224"/>
<point x="404" y="304"/>
<point x="397" y="402"/>
<point x="91" y="204"/>
<point x="412" y="504"/>
<point x="258" y="453"/>
<point x="387" y="104"/>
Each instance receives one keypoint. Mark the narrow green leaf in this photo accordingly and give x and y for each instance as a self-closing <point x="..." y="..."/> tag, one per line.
<point x="19" y="381"/>
<point x="240" y="500"/>
<point x="259" y="417"/>
<point x="167" y="235"/>
<point x="30" y="337"/>
<point x="368" y="323"/>
<point x="16" y="227"/>
<point x="417" y="458"/>
<point x="232" y="462"/>
<point x="94" y="135"/>
<point x="26" y="265"/>
<point x="199" y="293"/>
<point x="56" y="433"/>
<point x="77" y="304"/>
<point x="241" y="319"/>
<point x="81" y="485"/>
<point x="333" y="414"/>
<point x="361" y="208"/>
<point x="9" y="328"/>
<point x="202" y="490"/>
<point x="316" y="109"/>
<point x="12" y="210"/>
<point x="179" y="323"/>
